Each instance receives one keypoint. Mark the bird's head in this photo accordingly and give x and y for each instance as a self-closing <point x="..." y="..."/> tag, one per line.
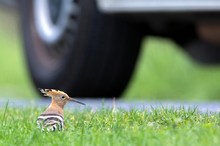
<point x="59" y="97"/>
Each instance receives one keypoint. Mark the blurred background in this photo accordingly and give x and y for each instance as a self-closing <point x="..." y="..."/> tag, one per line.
<point x="163" y="69"/>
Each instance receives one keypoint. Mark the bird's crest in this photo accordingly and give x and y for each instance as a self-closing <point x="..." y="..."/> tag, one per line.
<point x="49" y="92"/>
<point x="58" y="93"/>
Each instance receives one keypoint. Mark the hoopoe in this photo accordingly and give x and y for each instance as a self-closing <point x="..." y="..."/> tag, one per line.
<point x="52" y="117"/>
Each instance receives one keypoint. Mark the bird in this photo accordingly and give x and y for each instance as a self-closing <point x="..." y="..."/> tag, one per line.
<point x="52" y="118"/>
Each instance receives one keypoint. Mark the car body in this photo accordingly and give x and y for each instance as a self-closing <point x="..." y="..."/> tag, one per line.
<point x="89" y="47"/>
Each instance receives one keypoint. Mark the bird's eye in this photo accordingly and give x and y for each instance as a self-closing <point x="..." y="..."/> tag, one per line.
<point x="63" y="97"/>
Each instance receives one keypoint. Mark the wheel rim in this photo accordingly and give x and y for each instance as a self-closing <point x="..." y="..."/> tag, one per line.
<point x="52" y="19"/>
<point x="52" y="51"/>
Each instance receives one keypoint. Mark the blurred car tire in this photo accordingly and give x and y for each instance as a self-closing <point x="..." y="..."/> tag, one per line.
<point x="94" y="57"/>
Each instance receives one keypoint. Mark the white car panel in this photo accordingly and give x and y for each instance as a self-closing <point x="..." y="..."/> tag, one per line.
<point x="117" y="6"/>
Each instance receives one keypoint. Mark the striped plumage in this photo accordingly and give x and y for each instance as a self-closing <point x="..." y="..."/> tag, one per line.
<point x="53" y="117"/>
<point x="51" y="122"/>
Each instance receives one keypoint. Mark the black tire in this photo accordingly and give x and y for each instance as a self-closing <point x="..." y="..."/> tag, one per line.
<point x="97" y="62"/>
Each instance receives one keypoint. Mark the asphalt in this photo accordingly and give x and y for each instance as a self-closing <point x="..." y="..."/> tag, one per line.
<point x="96" y="104"/>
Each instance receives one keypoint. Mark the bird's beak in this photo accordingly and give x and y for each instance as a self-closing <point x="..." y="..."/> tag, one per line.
<point x="74" y="100"/>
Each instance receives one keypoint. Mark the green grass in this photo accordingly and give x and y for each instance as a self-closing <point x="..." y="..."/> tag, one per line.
<point x="179" y="127"/>
<point x="163" y="70"/>
<point x="14" y="78"/>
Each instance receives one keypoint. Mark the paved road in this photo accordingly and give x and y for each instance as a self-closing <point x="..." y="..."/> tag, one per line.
<point x="99" y="103"/>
